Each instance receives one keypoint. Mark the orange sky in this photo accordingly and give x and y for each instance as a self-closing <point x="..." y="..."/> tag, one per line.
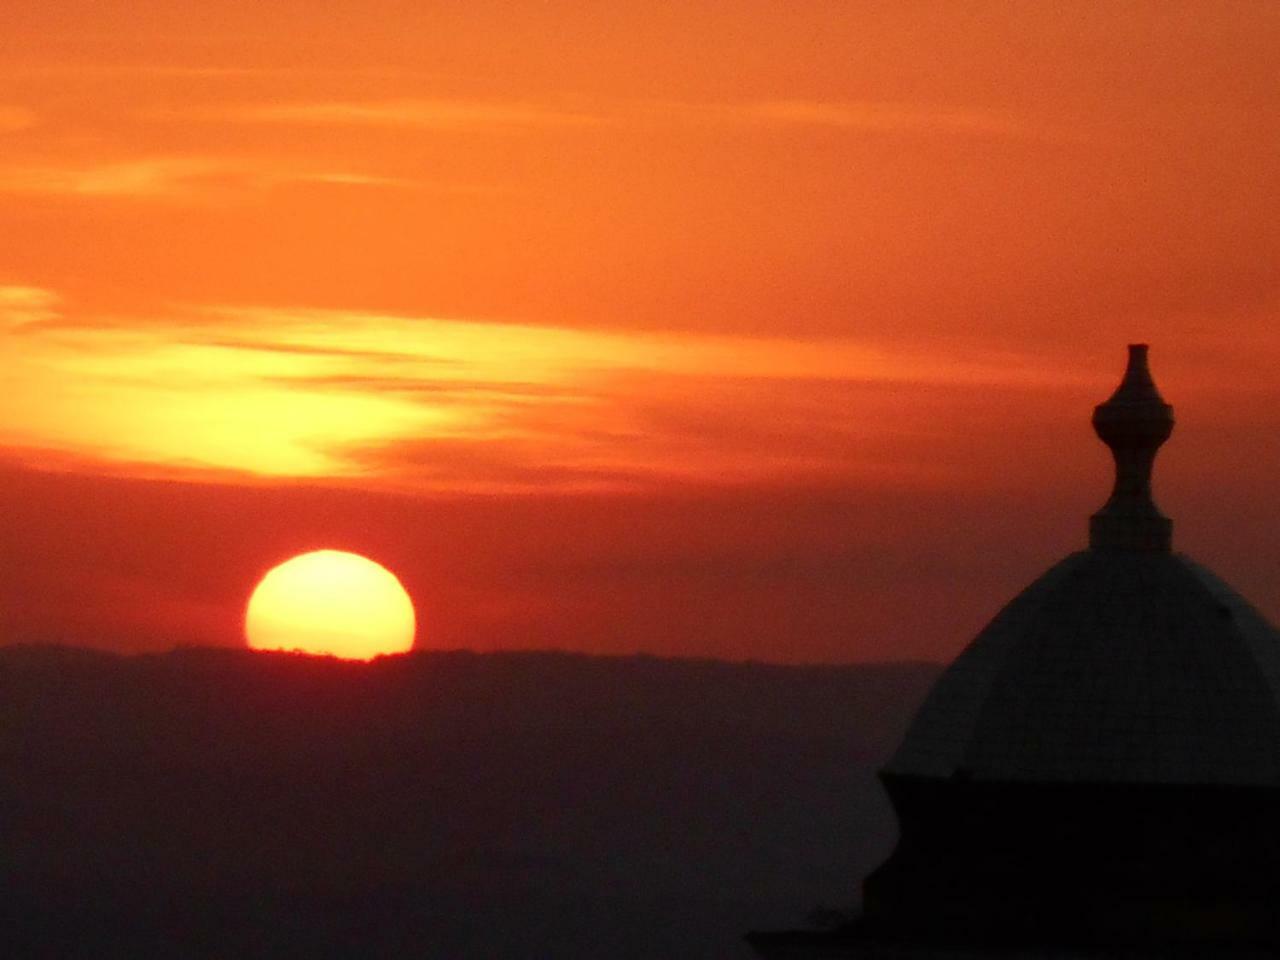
<point x="749" y="330"/>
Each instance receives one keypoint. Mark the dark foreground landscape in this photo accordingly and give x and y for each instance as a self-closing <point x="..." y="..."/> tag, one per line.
<point x="219" y="803"/>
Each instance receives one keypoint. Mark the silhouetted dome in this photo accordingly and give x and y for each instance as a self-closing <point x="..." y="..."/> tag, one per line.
<point x="1112" y="666"/>
<point x="1098" y="773"/>
<point x="1123" y="663"/>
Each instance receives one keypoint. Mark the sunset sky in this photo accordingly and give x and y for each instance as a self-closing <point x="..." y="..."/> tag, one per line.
<point x="750" y="330"/>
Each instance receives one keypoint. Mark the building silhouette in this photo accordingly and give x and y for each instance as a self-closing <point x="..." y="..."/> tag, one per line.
<point x="1098" y="773"/>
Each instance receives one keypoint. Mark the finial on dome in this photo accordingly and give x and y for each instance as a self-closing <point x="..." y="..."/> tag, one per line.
<point x="1134" y="422"/>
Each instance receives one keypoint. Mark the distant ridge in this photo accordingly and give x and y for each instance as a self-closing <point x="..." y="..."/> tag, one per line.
<point x="53" y="650"/>
<point x="216" y="801"/>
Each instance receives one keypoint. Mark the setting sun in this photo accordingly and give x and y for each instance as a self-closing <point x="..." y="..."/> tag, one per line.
<point x="331" y="602"/>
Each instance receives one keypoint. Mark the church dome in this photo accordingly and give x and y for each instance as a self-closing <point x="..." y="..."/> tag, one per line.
<point x="1124" y="663"/>
<point x="1098" y="773"/>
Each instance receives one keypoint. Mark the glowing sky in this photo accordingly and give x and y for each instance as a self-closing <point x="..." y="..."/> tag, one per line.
<point x="758" y="329"/>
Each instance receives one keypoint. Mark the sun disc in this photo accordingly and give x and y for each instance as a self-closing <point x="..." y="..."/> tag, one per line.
<point x="331" y="602"/>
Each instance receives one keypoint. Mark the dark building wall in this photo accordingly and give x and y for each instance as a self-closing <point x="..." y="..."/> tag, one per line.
<point x="1087" y="863"/>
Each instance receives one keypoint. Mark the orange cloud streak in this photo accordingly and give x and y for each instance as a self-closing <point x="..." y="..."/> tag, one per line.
<point x="318" y="393"/>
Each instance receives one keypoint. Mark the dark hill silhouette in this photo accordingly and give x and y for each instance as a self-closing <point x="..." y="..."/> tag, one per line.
<point x="218" y="803"/>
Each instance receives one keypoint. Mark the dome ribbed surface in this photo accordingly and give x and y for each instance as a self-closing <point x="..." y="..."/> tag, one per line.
<point x="1114" y="666"/>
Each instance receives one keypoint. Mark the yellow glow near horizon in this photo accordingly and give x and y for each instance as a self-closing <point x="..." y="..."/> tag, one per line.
<point x="361" y="396"/>
<point x="331" y="602"/>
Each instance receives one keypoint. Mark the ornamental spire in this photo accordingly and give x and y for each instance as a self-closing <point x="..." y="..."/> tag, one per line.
<point x="1134" y="422"/>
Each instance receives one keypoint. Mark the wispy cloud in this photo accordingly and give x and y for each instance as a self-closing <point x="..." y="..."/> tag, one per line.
<point x="176" y="178"/>
<point x="462" y="114"/>
<point x="348" y="180"/>
<point x="22" y="306"/>
<point x="150" y="177"/>
<point x="870" y="115"/>
<point x="438" y="403"/>
<point x="442" y="114"/>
